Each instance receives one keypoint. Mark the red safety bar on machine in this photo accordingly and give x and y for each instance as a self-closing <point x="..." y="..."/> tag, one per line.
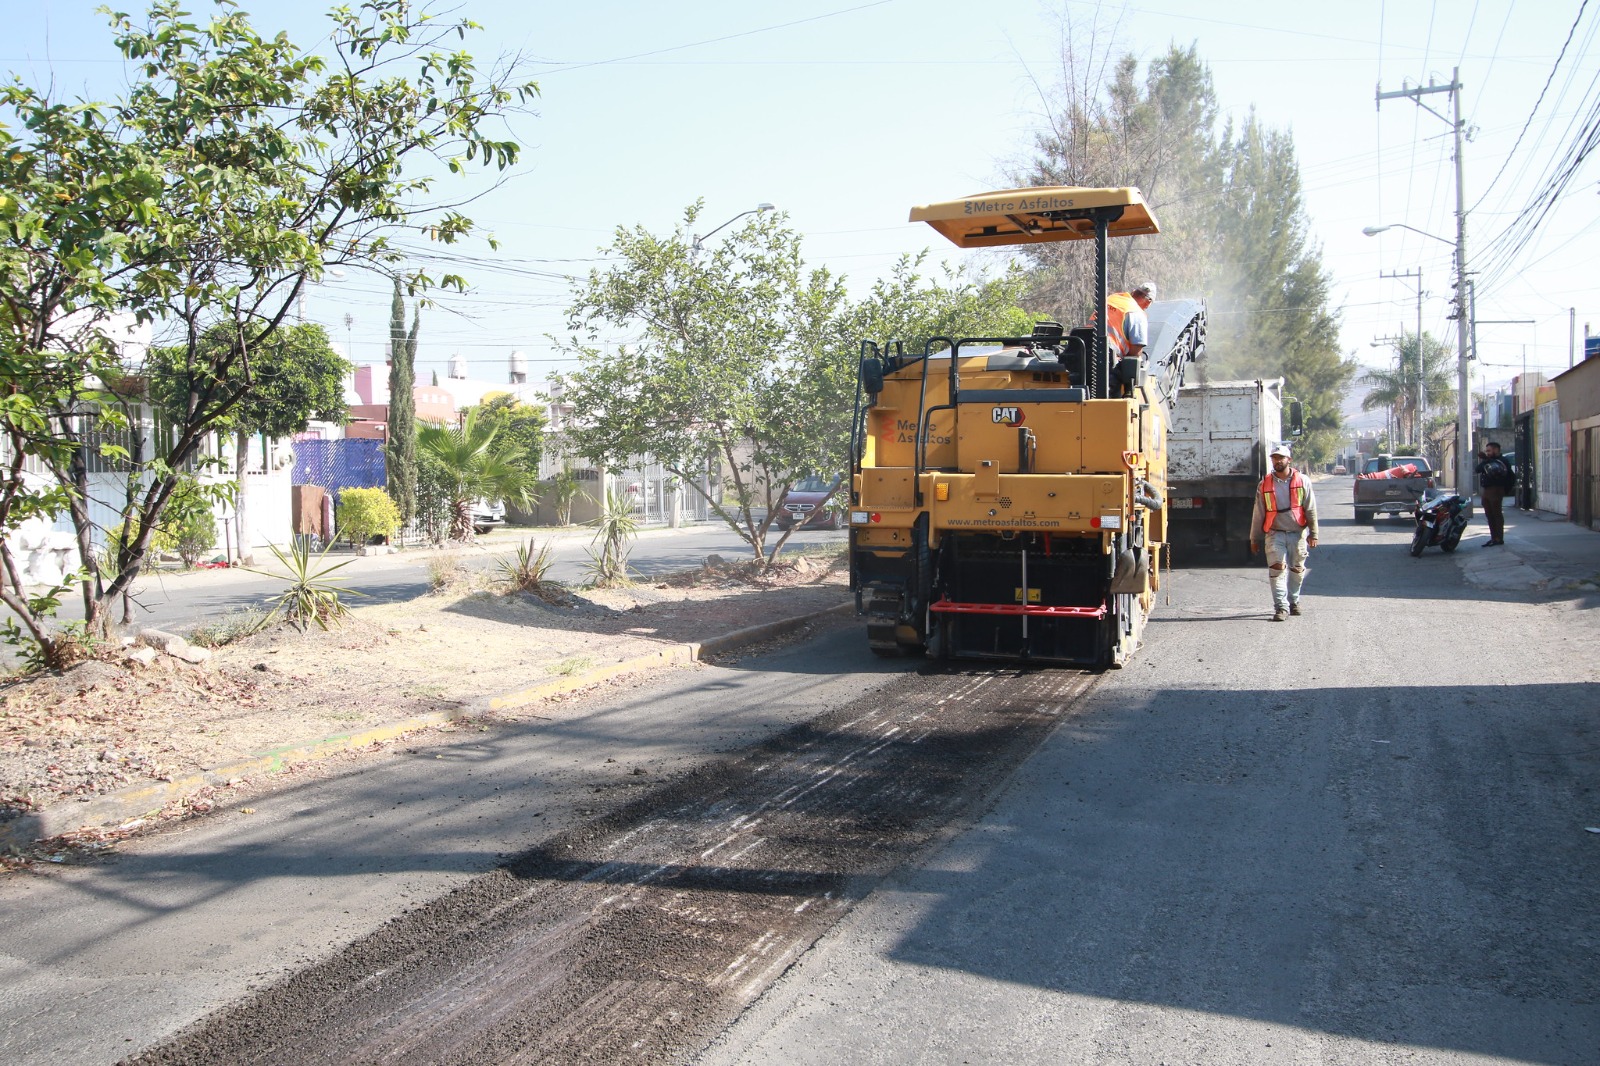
<point x="946" y="607"/>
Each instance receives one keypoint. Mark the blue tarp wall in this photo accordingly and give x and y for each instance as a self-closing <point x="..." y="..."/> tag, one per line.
<point x="337" y="465"/>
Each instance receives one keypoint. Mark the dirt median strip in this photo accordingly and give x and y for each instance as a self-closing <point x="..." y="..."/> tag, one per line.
<point x="147" y="800"/>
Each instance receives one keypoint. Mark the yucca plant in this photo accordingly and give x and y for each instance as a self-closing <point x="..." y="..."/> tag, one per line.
<point x="310" y="597"/>
<point x="526" y="570"/>
<point x="608" y="551"/>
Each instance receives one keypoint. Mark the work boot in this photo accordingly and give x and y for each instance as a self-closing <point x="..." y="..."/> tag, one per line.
<point x="1280" y="615"/>
<point x="1294" y="608"/>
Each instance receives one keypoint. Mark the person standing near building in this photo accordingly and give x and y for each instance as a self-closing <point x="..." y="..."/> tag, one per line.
<point x="1286" y="519"/>
<point x="1496" y="477"/>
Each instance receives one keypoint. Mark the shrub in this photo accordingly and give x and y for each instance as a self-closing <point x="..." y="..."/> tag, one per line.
<point x="235" y="625"/>
<point x="188" y="528"/>
<point x="448" y="573"/>
<point x="195" y="531"/>
<point x="367" y="513"/>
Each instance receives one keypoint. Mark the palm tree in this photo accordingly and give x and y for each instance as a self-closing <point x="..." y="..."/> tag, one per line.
<point x="475" y="465"/>
<point x="1396" y="387"/>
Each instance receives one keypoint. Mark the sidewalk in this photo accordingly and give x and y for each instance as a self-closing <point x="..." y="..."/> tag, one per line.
<point x="1543" y="552"/>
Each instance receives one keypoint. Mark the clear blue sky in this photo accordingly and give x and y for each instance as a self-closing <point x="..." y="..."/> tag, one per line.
<point x="845" y="114"/>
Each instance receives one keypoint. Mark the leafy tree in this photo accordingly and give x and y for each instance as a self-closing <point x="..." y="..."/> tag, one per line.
<point x="742" y="378"/>
<point x="909" y="307"/>
<point x="75" y="206"/>
<point x="472" y="463"/>
<point x="297" y="377"/>
<point x="400" y="458"/>
<point x="517" y="425"/>
<point x="1396" y="387"/>
<point x="1271" y="303"/>
<point x="739" y="381"/>
<point x="232" y="172"/>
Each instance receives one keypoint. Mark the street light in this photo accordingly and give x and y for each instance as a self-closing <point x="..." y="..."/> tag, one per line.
<point x="1463" y="325"/>
<point x="699" y="241"/>
<point x="1373" y="231"/>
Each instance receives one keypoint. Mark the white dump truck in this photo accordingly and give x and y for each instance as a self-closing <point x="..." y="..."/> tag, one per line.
<point x="1217" y="456"/>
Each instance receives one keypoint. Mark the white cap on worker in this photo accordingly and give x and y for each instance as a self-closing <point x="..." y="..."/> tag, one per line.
<point x="1279" y="449"/>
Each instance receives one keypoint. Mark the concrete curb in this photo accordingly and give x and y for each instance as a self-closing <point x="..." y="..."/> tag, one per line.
<point x="138" y="801"/>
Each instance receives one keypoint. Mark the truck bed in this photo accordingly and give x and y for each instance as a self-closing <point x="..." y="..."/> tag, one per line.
<point x="1372" y="497"/>
<point x="1216" y="458"/>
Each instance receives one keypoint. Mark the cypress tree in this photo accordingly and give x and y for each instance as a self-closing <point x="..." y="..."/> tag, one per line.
<point x="400" y="453"/>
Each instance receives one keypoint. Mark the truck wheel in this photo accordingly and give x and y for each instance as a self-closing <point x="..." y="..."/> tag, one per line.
<point x="1363" y="518"/>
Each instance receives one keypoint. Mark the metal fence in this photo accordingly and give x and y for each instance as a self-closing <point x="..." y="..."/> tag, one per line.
<point x="655" y="492"/>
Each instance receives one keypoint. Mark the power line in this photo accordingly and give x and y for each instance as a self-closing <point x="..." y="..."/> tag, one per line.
<point x="1571" y="31"/>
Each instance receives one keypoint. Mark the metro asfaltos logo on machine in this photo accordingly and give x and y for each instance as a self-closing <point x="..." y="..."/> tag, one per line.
<point x="1008" y="416"/>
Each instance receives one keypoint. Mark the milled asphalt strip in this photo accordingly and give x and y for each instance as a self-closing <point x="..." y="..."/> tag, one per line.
<point x="139" y="801"/>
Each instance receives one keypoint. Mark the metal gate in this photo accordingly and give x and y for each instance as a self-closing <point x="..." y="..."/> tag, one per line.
<point x="1527" y="461"/>
<point x="1585" y="475"/>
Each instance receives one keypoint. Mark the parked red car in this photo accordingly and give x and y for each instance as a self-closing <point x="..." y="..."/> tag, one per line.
<point x="805" y="505"/>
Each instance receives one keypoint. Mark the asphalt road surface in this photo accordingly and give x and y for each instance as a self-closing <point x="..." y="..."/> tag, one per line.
<point x="1359" y="836"/>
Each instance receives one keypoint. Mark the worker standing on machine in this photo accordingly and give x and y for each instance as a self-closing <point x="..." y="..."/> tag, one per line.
<point x="1127" y="327"/>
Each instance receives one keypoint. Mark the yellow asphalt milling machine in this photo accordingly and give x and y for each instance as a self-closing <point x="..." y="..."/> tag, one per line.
<point x="1006" y="492"/>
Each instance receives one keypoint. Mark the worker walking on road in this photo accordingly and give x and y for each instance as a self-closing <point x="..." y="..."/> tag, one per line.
<point x="1495" y="478"/>
<point x="1286" y="518"/>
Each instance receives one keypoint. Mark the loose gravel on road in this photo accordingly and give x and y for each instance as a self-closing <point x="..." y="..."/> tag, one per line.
<point x="638" y="936"/>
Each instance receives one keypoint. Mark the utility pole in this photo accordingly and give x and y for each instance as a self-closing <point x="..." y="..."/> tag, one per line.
<point x="1422" y="407"/>
<point x="1463" y="414"/>
<point x="1391" y="417"/>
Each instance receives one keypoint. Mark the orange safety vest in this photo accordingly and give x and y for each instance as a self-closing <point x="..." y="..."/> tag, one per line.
<point x="1118" y="304"/>
<point x="1297" y="499"/>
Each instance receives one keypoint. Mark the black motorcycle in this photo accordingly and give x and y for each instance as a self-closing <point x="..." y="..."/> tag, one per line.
<point x="1441" y="519"/>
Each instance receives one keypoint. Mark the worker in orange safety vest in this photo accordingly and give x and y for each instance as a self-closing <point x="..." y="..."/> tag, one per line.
<point x="1286" y="519"/>
<point x="1127" y="327"/>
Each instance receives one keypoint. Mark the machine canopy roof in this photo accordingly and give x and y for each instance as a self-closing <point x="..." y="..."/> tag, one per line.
<point x="1035" y="216"/>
